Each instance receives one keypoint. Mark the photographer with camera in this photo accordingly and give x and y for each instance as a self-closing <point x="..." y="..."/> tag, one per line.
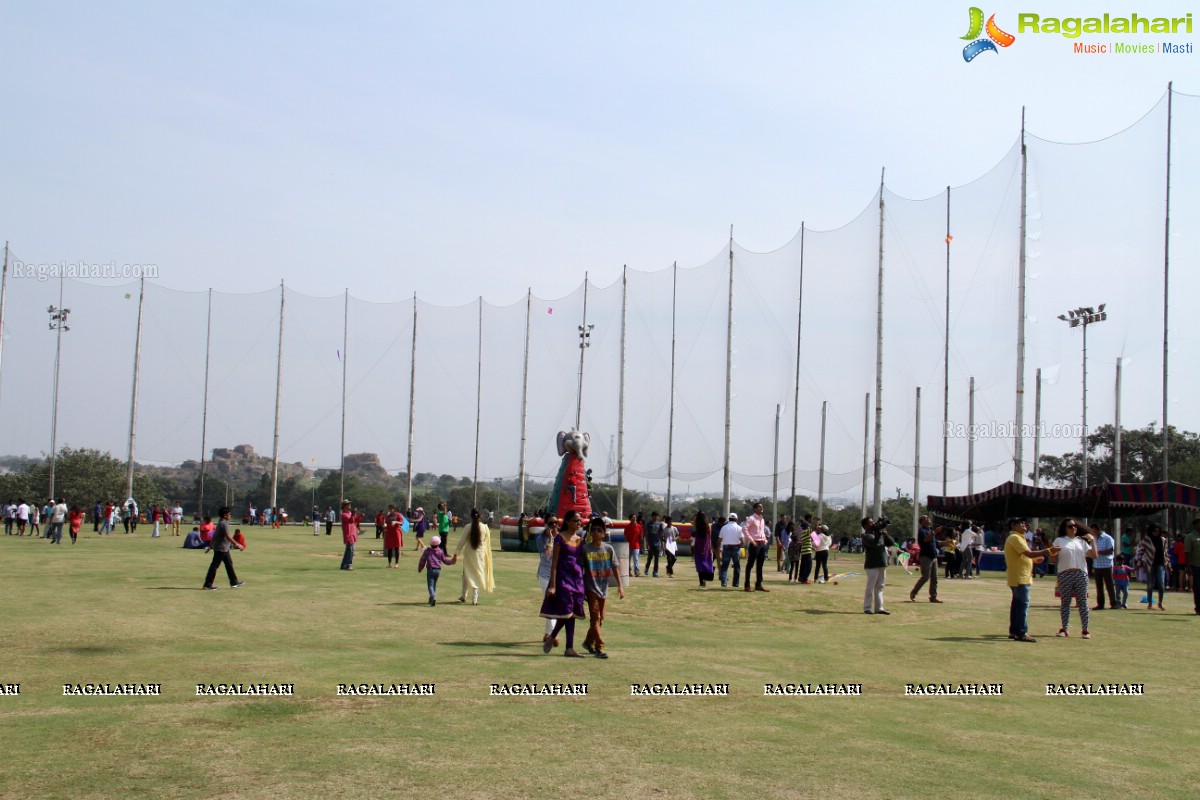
<point x="876" y="541"/>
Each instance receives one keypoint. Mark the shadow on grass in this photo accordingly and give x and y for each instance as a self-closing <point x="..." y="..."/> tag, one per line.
<point x="178" y="588"/>
<point x="529" y="643"/>
<point x="85" y="649"/>
<point x="822" y="611"/>
<point x="985" y="639"/>
<point x="413" y="603"/>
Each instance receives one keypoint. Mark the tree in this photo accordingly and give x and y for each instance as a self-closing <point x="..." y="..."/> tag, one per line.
<point x="1141" y="458"/>
<point x="82" y="476"/>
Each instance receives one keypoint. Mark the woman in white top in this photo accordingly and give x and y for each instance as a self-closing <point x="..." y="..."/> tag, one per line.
<point x="821" y="541"/>
<point x="1074" y="551"/>
<point x="670" y="545"/>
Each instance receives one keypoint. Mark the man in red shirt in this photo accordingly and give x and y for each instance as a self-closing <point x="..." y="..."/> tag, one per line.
<point x="633" y="537"/>
<point x="350" y="522"/>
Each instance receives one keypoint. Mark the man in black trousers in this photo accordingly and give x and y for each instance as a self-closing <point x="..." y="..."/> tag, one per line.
<point x="222" y="542"/>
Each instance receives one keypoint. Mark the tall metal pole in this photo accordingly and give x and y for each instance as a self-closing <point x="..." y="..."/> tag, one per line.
<point x="58" y="322"/>
<point x="1037" y="428"/>
<point x="1019" y="443"/>
<point x="204" y="413"/>
<point x="1116" y="528"/>
<point x="478" y="409"/>
<point x="3" y="301"/>
<point x="971" y="438"/>
<point x="345" y="358"/>
<point x="866" y="448"/>
<point x="1166" y="430"/>
<point x="916" y="513"/>
<point x="775" y="468"/>
<point x="621" y="396"/>
<point x="1075" y="318"/>
<point x="796" y="383"/>
<point x="725" y="495"/>
<point x="879" y="367"/>
<point x="1083" y="445"/>
<point x="1037" y="435"/>
<point x="946" y="359"/>
<point x="671" y="412"/>
<point x="412" y="405"/>
<point x="1117" y="428"/>
<point x="821" y="476"/>
<point x="137" y="361"/>
<point x="584" y="342"/>
<point x="525" y="405"/>
<point x="278" y="395"/>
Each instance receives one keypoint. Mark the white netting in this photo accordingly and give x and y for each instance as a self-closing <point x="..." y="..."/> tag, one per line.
<point x="1095" y="235"/>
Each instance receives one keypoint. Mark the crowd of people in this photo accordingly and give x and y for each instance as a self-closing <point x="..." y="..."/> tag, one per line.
<point x="577" y="564"/>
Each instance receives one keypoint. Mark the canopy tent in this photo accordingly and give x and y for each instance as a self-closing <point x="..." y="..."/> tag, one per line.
<point x="1102" y="500"/>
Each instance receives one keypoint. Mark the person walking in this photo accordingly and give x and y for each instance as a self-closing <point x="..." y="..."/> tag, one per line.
<point x="564" y="598"/>
<point x="222" y="543"/>
<point x="599" y="560"/>
<point x="670" y="544"/>
<point x="475" y="545"/>
<point x="58" y="515"/>
<point x="927" y="543"/>
<point x="443" y="526"/>
<point x="731" y="550"/>
<point x="432" y="560"/>
<point x="654" y="543"/>
<point x="544" y="542"/>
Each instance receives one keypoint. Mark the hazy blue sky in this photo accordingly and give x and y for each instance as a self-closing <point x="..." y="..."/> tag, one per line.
<point x="459" y="150"/>
<point x="466" y="148"/>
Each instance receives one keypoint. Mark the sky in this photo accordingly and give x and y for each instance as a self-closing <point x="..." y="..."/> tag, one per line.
<point x="463" y="150"/>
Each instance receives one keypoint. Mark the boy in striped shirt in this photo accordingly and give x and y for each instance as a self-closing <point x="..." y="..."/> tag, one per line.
<point x="598" y="560"/>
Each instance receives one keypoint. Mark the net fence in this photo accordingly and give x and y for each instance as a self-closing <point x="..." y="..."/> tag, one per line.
<point x="1095" y="233"/>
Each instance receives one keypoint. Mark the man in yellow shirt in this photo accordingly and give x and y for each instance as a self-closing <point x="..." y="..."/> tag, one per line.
<point x="1018" y="562"/>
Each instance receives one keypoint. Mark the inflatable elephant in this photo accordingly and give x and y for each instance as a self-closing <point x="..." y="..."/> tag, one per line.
<point x="570" y="486"/>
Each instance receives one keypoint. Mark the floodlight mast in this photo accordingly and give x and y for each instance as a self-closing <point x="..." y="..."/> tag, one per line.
<point x="1083" y="317"/>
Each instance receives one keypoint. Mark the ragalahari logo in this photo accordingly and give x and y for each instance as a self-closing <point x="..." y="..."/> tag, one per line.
<point x="995" y="36"/>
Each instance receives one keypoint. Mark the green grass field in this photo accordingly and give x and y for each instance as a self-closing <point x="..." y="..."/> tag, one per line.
<point x="130" y="609"/>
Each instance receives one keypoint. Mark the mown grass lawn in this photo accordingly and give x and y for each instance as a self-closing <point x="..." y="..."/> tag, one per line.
<point x="130" y="609"/>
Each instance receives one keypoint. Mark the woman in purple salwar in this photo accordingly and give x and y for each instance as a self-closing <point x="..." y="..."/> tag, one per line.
<point x="564" y="596"/>
<point x="702" y="552"/>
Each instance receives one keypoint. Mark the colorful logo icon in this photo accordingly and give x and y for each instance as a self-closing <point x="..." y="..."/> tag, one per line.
<point x="995" y="36"/>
